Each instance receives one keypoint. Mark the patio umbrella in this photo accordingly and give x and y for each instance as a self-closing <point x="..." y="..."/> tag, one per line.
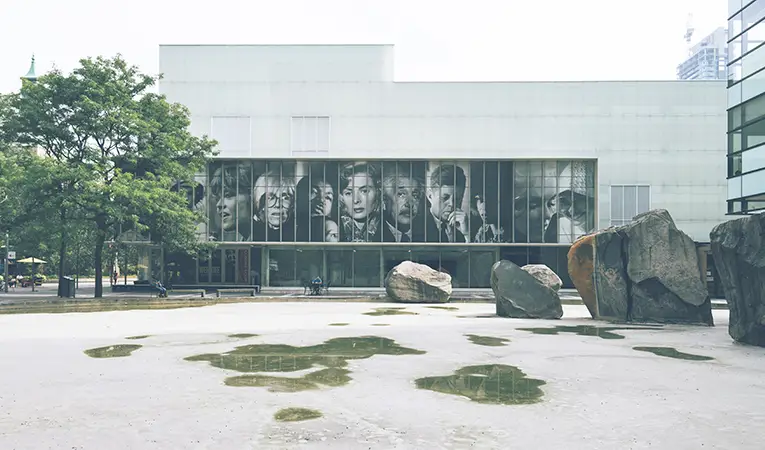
<point x="32" y="261"/>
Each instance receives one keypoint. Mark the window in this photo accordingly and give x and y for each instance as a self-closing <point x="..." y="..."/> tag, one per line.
<point x="310" y="134"/>
<point x="627" y="202"/>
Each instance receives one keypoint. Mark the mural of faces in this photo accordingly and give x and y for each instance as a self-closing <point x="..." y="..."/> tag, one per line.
<point x="231" y="202"/>
<point x="401" y="201"/>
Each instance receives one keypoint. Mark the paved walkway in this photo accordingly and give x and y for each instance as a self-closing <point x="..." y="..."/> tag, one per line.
<point x="599" y="391"/>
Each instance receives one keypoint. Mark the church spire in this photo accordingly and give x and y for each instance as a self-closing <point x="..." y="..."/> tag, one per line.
<point x="31" y="73"/>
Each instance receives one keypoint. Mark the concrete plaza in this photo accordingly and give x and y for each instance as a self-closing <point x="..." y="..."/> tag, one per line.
<point x="599" y="393"/>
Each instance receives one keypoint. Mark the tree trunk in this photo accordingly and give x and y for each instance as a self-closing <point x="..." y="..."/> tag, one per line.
<point x="100" y="239"/>
<point x="62" y="253"/>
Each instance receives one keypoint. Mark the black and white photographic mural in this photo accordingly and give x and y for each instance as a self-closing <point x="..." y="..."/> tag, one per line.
<point x="416" y="201"/>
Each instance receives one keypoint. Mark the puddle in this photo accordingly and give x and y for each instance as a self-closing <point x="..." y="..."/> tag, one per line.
<point x="112" y="351"/>
<point x="389" y="312"/>
<point x="445" y="308"/>
<point x="380" y="324"/>
<point x="586" y="330"/>
<point x="480" y="316"/>
<point x="671" y="352"/>
<point x="332" y="355"/>
<point x="339" y="324"/>
<point x="242" y="335"/>
<point x="493" y="384"/>
<point x="296" y="414"/>
<point x="143" y="336"/>
<point x="488" y="341"/>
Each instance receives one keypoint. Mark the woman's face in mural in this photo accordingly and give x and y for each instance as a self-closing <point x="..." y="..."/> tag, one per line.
<point x="532" y="214"/>
<point x="322" y="198"/>
<point x="360" y="197"/>
<point x="276" y="207"/>
<point x="232" y="207"/>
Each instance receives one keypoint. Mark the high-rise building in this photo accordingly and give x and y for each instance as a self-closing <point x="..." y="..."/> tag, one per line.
<point x="707" y="59"/>
<point x="746" y="106"/>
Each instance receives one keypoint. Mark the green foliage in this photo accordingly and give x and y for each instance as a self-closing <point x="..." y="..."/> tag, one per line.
<point x="114" y="151"/>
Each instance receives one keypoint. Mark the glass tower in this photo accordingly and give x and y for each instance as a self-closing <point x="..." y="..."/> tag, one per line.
<point x="746" y="106"/>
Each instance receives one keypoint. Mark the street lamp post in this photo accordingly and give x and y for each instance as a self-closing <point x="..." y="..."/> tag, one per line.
<point x="5" y="266"/>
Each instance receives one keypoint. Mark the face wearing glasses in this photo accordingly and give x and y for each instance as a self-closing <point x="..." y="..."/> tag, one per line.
<point x="275" y="207"/>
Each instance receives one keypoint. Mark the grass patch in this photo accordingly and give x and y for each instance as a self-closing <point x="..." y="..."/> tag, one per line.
<point x="296" y="414"/>
<point x="670" y="352"/>
<point x="586" y="330"/>
<point x="112" y="351"/>
<point x="390" y="312"/>
<point x="492" y="384"/>
<point x="488" y="341"/>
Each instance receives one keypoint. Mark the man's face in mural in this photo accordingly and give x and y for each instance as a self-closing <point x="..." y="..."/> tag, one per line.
<point x="322" y="198"/>
<point x="276" y="206"/>
<point x="360" y="197"/>
<point x="443" y="201"/>
<point x="402" y="200"/>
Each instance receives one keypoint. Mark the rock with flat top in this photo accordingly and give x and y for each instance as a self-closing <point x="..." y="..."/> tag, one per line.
<point x="410" y="282"/>
<point x="648" y="271"/>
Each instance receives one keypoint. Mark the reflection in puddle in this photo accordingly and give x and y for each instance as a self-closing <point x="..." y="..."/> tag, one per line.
<point x="332" y="355"/>
<point x="143" y="336"/>
<point x="670" y="352"/>
<point x="389" y="312"/>
<point x="495" y="383"/>
<point x="339" y="324"/>
<point x="112" y="351"/>
<point x="586" y="330"/>
<point x="296" y="414"/>
<point x="445" y="308"/>
<point x="488" y="341"/>
<point x="480" y="316"/>
<point x="380" y="324"/>
<point x="242" y="335"/>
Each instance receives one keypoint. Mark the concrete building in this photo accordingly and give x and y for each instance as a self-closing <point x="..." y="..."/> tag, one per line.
<point x="328" y="166"/>
<point x="746" y="107"/>
<point x="707" y="60"/>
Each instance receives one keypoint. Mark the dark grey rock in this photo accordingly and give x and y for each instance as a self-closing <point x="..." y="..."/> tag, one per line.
<point x="520" y="295"/>
<point x="738" y="247"/>
<point x="648" y="271"/>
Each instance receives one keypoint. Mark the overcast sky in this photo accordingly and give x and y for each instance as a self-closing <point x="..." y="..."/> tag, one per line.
<point x="442" y="40"/>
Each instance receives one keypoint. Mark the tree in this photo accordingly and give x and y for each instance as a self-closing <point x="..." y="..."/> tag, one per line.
<point x="116" y="150"/>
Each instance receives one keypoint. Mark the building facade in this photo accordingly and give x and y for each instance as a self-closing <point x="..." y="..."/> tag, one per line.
<point x="746" y="107"/>
<point x="708" y="59"/>
<point x="329" y="167"/>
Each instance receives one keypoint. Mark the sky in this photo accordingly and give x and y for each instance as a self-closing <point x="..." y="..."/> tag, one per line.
<point x="435" y="40"/>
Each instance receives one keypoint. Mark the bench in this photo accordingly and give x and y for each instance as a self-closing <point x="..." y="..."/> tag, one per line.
<point x="251" y="291"/>
<point x="201" y="292"/>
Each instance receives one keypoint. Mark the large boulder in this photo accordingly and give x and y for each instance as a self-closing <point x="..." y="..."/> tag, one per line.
<point x="738" y="248"/>
<point x="520" y="295"/>
<point x="544" y="275"/>
<point x="648" y="271"/>
<point x="580" y="268"/>
<point x="410" y="282"/>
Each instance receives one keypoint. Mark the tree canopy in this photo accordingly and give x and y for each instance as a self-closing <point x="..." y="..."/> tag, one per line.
<point x="113" y="150"/>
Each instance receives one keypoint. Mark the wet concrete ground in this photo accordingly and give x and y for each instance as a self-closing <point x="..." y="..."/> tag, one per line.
<point x="597" y="392"/>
